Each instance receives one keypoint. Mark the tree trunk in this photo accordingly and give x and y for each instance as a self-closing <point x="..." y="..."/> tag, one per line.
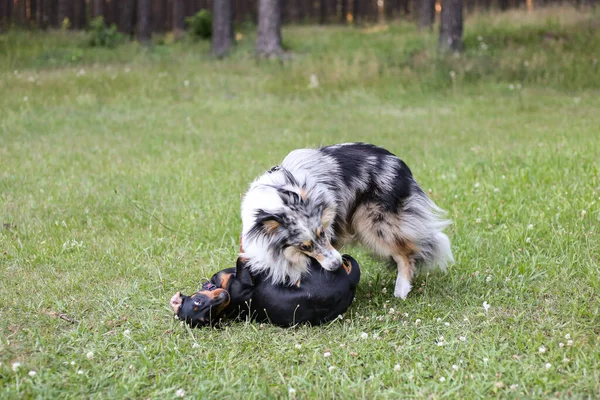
<point x="322" y="11"/>
<point x="5" y="12"/>
<point x="355" y="11"/>
<point x="470" y="6"/>
<point x="97" y="8"/>
<point x="32" y="10"/>
<point x="268" y="40"/>
<point x="159" y="11"/>
<point x="388" y="10"/>
<point x="178" y="18"/>
<point x="52" y="13"/>
<point x="79" y="14"/>
<point x="63" y="11"/>
<point x="144" y="31"/>
<point x="39" y="15"/>
<point x="451" y="29"/>
<point x="426" y="14"/>
<point x="126" y="16"/>
<point x="222" y="27"/>
<point x="343" y="11"/>
<point x="405" y="7"/>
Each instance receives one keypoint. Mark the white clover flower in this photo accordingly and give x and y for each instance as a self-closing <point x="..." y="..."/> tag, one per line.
<point x="32" y="373"/>
<point x="15" y="366"/>
<point x="462" y="338"/>
<point x="568" y="336"/>
<point x="126" y="332"/>
<point x="530" y="226"/>
<point x="376" y="336"/>
<point x="298" y="346"/>
<point x="569" y="342"/>
<point x="496" y="190"/>
<point x="397" y="367"/>
<point x="72" y="362"/>
<point x="489" y="278"/>
<point x="438" y="319"/>
<point x="180" y="393"/>
<point x="442" y="379"/>
<point x="479" y="38"/>
<point x="364" y="335"/>
<point x="25" y="98"/>
<point x="561" y="344"/>
<point x="186" y="83"/>
<point x="514" y="386"/>
<point x="478" y="220"/>
<point x="331" y="368"/>
<point x="485" y="360"/>
<point x="486" y="306"/>
<point x="80" y="372"/>
<point x="511" y="86"/>
<point x="90" y="355"/>
<point x="455" y="367"/>
<point x="548" y="365"/>
<point x="528" y="240"/>
<point x="417" y="321"/>
<point x="542" y="349"/>
<point x="384" y="290"/>
<point x="327" y="354"/>
<point x="476" y="184"/>
<point x="292" y="392"/>
<point x="446" y="323"/>
<point x="391" y="311"/>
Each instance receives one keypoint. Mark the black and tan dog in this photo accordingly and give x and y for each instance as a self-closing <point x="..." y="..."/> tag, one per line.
<point x="233" y="292"/>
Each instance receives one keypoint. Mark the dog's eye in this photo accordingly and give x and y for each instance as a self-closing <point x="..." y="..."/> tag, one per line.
<point x="320" y="233"/>
<point x="306" y="247"/>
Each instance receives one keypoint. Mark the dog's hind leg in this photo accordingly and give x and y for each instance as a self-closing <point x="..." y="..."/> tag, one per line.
<point x="406" y="270"/>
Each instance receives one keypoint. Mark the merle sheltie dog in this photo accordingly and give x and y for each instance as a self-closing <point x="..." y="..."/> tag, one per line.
<point x="317" y="200"/>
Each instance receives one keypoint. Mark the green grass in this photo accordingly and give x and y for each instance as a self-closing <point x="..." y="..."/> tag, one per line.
<point x="96" y="150"/>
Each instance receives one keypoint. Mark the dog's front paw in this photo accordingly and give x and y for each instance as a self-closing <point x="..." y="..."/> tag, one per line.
<point x="402" y="289"/>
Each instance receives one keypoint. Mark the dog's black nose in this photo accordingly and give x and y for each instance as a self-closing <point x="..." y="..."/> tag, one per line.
<point x="338" y="264"/>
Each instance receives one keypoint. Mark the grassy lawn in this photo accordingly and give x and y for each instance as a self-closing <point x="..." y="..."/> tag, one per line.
<point x="121" y="173"/>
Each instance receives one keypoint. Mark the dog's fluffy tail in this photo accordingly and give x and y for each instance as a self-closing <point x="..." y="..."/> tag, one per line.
<point x="426" y="224"/>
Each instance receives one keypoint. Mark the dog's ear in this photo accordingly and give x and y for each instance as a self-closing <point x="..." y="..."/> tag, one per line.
<point x="242" y="272"/>
<point x="289" y="197"/>
<point x="176" y="302"/>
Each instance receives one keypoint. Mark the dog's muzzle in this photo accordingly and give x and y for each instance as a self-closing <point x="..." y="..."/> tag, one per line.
<point x="329" y="258"/>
